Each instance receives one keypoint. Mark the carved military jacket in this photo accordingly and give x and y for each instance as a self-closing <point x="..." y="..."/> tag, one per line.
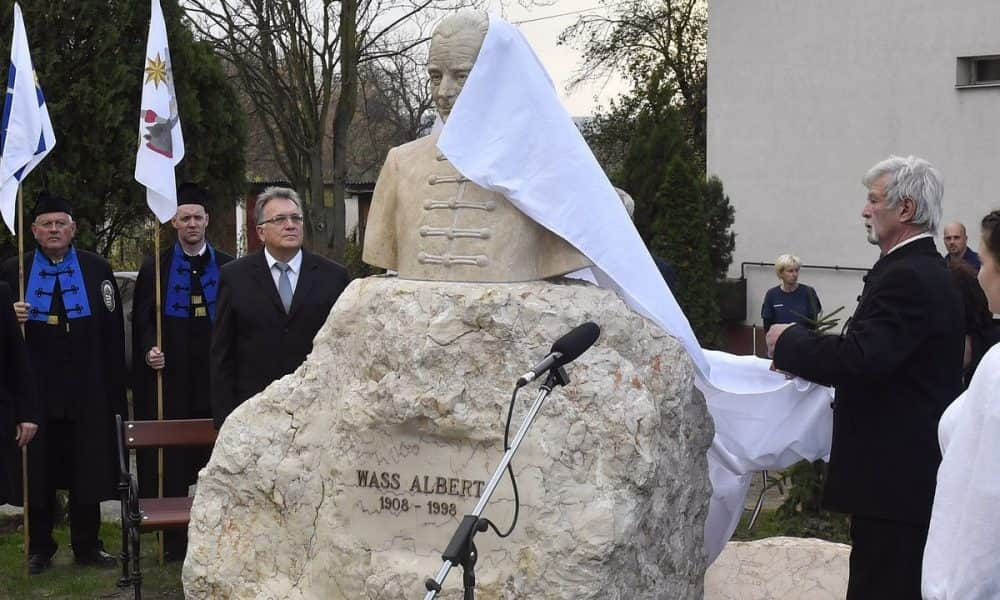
<point x="429" y="222"/>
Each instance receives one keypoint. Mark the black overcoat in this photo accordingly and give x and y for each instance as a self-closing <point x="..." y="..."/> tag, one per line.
<point x="896" y="368"/>
<point x="253" y="341"/>
<point x="17" y="394"/>
<point x="89" y="383"/>
<point x="185" y="344"/>
<point x="186" y="391"/>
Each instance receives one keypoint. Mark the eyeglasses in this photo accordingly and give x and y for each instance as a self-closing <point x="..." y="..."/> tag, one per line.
<point x="57" y="224"/>
<point x="282" y="219"/>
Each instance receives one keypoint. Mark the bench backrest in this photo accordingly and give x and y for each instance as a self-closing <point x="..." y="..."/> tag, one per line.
<point x="177" y="432"/>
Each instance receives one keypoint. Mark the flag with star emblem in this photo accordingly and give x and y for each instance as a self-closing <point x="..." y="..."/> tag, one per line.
<point x="161" y="144"/>
<point x="27" y="134"/>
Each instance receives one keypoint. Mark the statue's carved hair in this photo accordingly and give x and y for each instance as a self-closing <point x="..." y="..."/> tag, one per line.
<point x="463" y="21"/>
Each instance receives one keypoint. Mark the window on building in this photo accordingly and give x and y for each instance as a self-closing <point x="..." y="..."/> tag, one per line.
<point x="978" y="71"/>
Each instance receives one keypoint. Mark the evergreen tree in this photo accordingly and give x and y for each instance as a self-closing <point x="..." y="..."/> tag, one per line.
<point x="719" y="217"/>
<point x="683" y="240"/>
<point x="656" y="138"/>
<point x="89" y="59"/>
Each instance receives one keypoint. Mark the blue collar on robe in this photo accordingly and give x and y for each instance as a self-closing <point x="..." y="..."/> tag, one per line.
<point x="178" y="301"/>
<point x="42" y="283"/>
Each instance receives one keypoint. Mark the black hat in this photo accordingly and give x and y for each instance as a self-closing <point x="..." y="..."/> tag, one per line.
<point x="190" y="193"/>
<point x="47" y="203"/>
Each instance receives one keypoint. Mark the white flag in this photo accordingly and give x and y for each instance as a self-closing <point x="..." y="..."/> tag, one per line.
<point x="27" y="130"/>
<point x="161" y="145"/>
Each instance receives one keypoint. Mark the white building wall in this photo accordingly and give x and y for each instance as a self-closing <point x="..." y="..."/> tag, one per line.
<point x="804" y="96"/>
<point x="351" y="217"/>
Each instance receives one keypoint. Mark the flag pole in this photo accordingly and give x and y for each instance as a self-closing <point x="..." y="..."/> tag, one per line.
<point x="24" y="449"/>
<point x="159" y="377"/>
<point x="155" y="162"/>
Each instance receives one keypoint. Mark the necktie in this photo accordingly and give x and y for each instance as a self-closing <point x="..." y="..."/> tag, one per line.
<point x="284" y="285"/>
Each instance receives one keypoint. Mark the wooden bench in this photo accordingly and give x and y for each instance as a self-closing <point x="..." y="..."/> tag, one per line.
<point x="142" y="515"/>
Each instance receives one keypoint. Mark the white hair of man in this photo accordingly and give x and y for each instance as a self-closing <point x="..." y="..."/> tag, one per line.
<point x="270" y="194"/>
<point x="912" y="178"/>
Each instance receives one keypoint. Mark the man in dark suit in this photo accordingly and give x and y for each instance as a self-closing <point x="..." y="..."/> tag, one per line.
<point x="189" y="283"/>
<point x="270" y="306"/>
<point x="896" y="367"/>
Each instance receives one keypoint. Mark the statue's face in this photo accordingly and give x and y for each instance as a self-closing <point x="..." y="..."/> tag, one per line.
<point x="448" y="63"/>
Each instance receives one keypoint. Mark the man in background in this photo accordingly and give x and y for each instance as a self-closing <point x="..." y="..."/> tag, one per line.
<point x="189" y="283"/>
<point x="75" y="340"/>
<point x="19" y="411"/>
<point x="271" y="305"/>
<point x="957" y="243"/>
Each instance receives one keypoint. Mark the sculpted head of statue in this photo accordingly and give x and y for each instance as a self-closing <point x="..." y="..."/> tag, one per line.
<point x="454" y="48"/>
<point x="430" y="222"/>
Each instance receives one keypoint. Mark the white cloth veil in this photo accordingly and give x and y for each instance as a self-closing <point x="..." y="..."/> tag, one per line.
<point x="508" y="132"/>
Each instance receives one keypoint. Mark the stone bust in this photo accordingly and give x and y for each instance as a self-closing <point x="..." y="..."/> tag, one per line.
<point x="428" y="222"/>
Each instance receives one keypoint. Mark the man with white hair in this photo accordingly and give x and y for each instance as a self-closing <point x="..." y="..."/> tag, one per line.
<point x="896" y="367"/>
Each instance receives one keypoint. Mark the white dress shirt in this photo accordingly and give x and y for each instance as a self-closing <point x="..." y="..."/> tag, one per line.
<point x="293" y="272"/>
<point x="919" y="236"/>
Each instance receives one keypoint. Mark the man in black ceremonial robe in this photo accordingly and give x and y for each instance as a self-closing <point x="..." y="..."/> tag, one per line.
<point x="189" y="283"/>
<point x="75" y="343"/>
<point x="19" y="415"/>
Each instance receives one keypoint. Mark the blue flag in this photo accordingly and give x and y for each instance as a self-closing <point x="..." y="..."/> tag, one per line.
<point x="27" y="134"/>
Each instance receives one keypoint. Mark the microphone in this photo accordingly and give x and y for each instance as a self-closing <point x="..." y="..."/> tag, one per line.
<point x="565" y="350"/>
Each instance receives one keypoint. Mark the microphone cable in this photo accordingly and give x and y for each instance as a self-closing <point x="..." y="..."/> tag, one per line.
<point x="510" y="471"/>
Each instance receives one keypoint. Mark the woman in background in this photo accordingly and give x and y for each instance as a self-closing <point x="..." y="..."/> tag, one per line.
<point x="790" y="302"/>
<point x="962" y="555"/>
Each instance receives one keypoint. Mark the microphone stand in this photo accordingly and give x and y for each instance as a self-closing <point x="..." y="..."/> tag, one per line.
<point x="461" y="549"/>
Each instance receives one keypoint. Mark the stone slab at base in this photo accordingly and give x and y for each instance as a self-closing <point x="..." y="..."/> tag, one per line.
<point x="779" y="568"/>
<point x="347" y="478"/>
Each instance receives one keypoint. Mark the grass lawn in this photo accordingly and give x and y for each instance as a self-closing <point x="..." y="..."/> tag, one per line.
<point x="832" y="528"/>
<point x="765" y="527"/>
<point x="66" y="580"/>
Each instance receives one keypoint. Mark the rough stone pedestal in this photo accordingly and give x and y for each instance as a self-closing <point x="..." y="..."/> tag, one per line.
<point x="779" y="568"/>
<point x="347" y="478"/>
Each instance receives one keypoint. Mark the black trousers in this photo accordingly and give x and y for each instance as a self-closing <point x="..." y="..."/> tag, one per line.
<point x="84" y="518"/>
<point x="84" y="523"/>
<point x="886" y="558"/>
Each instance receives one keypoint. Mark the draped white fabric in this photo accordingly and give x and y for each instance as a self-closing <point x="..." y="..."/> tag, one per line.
<point x="962" y="556"/>
<point x="508" y="132"/>
<point x="768" y="423"/>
